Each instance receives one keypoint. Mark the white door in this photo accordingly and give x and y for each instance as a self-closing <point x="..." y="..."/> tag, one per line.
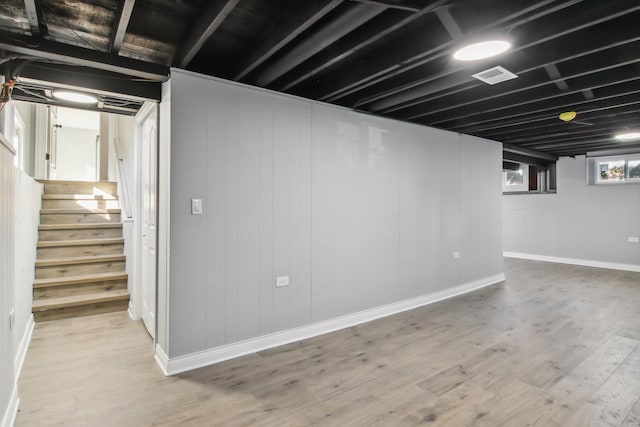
<point x="148" y="222"/>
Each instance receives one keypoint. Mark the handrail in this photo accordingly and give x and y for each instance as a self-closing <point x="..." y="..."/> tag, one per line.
<point x="126" y="205"/>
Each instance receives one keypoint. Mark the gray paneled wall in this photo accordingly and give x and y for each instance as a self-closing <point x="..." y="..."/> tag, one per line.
<point x="357" y="210"/>
<point x="583" y="222"/>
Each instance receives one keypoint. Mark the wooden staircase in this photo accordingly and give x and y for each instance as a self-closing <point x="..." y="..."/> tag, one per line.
<point x="80" y="266"/>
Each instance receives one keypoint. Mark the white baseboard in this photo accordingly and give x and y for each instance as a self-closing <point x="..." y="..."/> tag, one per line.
<point x="574" y="261"/>
<point x="23" y="347"/>
<point x="176" y="365"/>
<point x="9" y="416"/>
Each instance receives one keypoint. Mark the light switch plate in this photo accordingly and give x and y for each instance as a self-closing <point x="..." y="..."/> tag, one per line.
<point x="456" y="255"/>
<point x="282" y="281"/>
<point x="196" y="206"/>
<point x="633" y="240"/>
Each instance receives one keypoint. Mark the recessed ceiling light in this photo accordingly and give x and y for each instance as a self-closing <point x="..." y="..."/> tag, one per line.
<point x="80" y="98"/>
<point x="628" y="136"/>
<point x="482" y="50"/>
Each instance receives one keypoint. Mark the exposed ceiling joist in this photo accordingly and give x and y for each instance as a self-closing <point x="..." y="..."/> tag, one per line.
<point x="74" y="55"/>
<point x="120" y="24"/>
<point x="364" y="39"/>
<point x="390" y="5"/>
<point x="203" y="29"/>
<point x="35" y="17"/>
<point x="286" y="31"/>
<point x="320" y="39"/>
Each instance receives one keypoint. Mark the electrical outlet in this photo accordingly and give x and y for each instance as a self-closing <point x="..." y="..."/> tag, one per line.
<point x="12" y="318"/>
<point x="633" y="240"/>
<point x="456" y="255"/>
<point x="196" y="206"/>
<point x="282" y="281"/>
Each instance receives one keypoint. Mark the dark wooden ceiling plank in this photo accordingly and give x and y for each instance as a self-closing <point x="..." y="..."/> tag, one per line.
<point x="407" y="92"/>
<point x="292" y="26"/>
<point x="48" y="50"/>
<point x="364" y="40"/>
<point x="120" y="24"/>
<point x="203" y="29"/>
<point x="390" y="5"/>
<point x="320" y="39"/>
<point x="394" y="68"/>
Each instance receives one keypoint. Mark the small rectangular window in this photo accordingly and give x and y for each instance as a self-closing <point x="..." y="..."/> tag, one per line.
<point x="624" y="169"/>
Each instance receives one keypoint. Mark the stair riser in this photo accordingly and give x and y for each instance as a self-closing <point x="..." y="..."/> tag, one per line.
<point x="75" y="204"/>
<point x="78" y="289"/>
<point x="83" y="310"/>
<point x="97" y="233"/>
<point x="88" y="218"/>
<point x="50" y="271"/>
<point x="78" y="251"/>
<point x="81" y="188"/>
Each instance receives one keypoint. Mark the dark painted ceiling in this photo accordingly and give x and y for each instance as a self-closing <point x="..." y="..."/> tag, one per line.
<point x="391" y="58"/>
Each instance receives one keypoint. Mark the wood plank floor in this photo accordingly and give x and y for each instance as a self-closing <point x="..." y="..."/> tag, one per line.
<point x="554" y="345"/>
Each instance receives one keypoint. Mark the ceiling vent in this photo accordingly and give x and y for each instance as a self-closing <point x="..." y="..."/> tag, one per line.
<point x="494" y="75"/>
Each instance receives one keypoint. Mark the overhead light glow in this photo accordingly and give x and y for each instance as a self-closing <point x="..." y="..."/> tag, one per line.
<point x="628" y="136"/>
<point x="482" y="50"/>
<point x="77" y="97"/>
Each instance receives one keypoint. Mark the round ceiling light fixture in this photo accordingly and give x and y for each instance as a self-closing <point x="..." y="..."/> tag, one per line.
<point x="482" y="50"/>
<point x="567" y="116"/>
<point x="77" y="97"/>
<point x="628" y="136"/>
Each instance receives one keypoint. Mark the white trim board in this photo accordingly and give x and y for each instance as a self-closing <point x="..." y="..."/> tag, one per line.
<point x="24" y="346"/>
<point x="574" y="261"/>
<point x="9" y="417"/>
<point x="176" y="365"/>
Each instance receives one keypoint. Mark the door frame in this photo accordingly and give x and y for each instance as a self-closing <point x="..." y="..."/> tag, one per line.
<point x="135" y="309"/>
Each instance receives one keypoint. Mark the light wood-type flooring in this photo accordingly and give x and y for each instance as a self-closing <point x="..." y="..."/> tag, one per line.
<point x="554" y="345"/>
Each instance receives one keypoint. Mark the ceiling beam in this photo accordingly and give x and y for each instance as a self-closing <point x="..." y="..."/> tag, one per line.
<point x="203" y="29"/>
<point x="291" y="26"/>
<point x="34" y="15"/>
<point x="90" y="80"/>
<point x="120" y="24"/>
<point x="356" y="44"/>
<point x="390" y="5"/>
<point x="319" y="40"/>
<point x="52" y="51"/>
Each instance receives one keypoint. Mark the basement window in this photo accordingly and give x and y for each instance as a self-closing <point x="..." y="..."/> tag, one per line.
<point x="614" y="170"/>
<point x="524" y="178"/>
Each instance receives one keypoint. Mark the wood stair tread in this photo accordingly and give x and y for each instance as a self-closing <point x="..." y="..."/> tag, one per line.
<point x="82" y="226"/>
<point x="83" y="242"/>
<point x="78" y="300"/>
<point x="73" y="280"/>
<point x="78" y="197"/>
<point x="79" y="260"/>
<point x="79" y="211"/>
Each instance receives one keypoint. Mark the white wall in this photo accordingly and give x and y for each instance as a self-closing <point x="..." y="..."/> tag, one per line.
<point x="28" y="113"/>
<point x="27" y="219"/>
<point x="76" y="154"/>
<point x="8" y="387"/>
<point x="359" y="211"/>
<point x="581" y="223"/>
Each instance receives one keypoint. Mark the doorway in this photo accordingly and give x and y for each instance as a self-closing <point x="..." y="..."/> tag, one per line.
<point x="74" y="144"/>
